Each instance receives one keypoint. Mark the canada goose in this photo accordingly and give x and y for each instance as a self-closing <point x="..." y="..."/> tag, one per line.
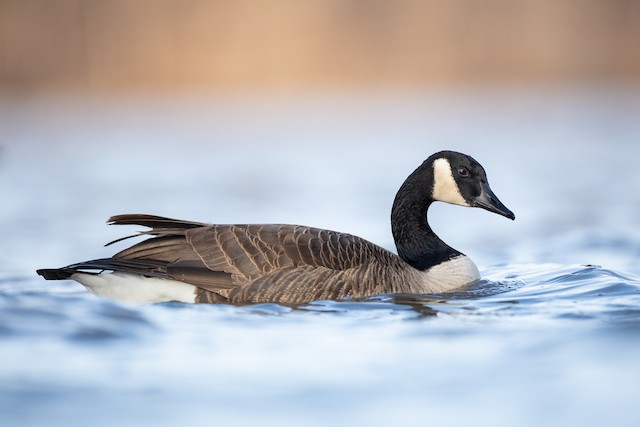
<point x="196" y="262"/>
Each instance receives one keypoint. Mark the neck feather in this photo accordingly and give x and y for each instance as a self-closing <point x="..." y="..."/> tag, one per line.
<point x="417" y="244"/>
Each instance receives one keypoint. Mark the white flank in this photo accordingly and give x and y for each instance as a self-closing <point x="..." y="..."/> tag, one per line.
<point x="135" y="288"/>
<point x="450" y="275"/>
<point x="445" y="188"/>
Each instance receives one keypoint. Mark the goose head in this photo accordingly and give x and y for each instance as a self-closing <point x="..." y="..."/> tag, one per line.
<point x="460" y="180"/>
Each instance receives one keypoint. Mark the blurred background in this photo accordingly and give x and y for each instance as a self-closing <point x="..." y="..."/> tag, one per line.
<point x="314" y="112"/>
<point x="177" y="45"/>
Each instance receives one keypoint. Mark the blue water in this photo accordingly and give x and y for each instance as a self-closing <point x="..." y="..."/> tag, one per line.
<point x="550" y="338"/>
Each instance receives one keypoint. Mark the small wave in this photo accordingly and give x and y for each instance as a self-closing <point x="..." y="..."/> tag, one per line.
<point x="76" y="317"/>
<point x="562" y="282"/>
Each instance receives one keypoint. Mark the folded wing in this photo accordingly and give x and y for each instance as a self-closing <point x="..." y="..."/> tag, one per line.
<point x="250" y="263"/>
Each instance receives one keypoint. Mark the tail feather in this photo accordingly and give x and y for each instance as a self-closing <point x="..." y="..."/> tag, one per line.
<point x="154" y="222"/>
<point x="160" y="226"/>
<point x="55" y="273"/>
<point x="146" y="267"/>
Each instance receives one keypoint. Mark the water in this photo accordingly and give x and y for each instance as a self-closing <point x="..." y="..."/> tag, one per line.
<point x="551" y="337"/>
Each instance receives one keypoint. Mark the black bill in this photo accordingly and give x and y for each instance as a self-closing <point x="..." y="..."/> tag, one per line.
<point x="487" y="200"/>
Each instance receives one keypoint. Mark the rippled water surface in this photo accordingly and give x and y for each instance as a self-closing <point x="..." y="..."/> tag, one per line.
<point x="551" y="337"/>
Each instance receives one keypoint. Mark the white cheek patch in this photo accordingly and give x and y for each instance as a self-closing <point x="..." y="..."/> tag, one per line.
<point x="445" y="188"/>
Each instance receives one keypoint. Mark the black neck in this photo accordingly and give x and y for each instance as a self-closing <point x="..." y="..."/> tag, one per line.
<point x="417" y="244"/>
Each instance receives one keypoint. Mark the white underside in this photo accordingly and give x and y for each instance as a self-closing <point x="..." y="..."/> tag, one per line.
<point x="450" y="275"/>
<point x="135" y="288"/>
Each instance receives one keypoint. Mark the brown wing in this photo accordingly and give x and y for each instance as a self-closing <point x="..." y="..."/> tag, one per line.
<point x="256" y="262"/>
<point x="252" y="251"/>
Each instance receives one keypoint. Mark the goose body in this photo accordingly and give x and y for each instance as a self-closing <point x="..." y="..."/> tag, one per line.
<point x="213" y="263"/>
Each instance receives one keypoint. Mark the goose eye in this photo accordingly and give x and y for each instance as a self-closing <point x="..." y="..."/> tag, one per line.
<point x="463" y="172"/>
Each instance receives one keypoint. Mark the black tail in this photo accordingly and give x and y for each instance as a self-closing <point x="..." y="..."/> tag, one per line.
<point x="145" y="267"/>
<point x="55" y="273"/>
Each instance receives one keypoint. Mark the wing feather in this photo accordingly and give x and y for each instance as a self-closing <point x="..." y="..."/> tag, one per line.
<point x="252" y="251"/>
